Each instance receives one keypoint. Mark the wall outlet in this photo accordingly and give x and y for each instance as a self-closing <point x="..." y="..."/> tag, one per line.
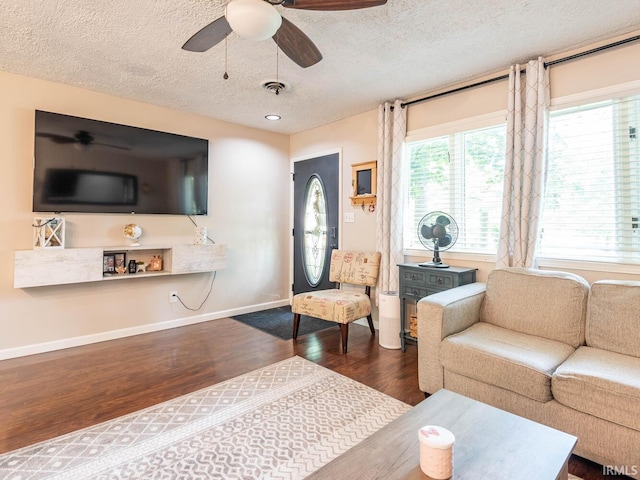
<point x="173" y="296"/>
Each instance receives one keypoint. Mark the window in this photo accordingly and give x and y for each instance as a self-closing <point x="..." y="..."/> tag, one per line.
<point x="314" y="240"/>
<point x="462" y="174"/>
<point x="592" y="197"/>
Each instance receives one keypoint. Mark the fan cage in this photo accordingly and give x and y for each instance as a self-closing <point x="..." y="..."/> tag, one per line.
<point x="430" y="220"/>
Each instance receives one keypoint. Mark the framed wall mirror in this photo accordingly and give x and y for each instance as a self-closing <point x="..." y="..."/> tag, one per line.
<point x="364" y="178"/>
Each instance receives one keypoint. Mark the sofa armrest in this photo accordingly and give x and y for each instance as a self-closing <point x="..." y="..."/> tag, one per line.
<point x="439" y="316"/>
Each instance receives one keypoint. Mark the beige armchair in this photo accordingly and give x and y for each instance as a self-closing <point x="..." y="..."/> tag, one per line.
<point x="340" y="305"/>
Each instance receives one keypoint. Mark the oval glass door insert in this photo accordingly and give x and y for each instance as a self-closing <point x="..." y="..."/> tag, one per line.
<point x="314" y="240"/>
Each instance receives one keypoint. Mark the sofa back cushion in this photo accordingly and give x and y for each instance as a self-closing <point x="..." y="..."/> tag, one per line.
<point x="613" y="317"/>
<point x="537" y="302"/>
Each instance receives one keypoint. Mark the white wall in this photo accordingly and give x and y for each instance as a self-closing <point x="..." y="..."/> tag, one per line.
<point x="248" y="211"/>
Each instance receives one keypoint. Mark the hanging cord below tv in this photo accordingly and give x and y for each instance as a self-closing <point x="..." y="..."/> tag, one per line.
<point x="213" y="278"/>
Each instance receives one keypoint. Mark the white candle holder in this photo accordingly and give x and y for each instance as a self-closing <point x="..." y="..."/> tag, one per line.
<point x="200" y="237"/>
<point x="436" y="451"/>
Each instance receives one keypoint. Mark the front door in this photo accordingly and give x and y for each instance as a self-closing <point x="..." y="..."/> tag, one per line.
<point x="316" y="193"/>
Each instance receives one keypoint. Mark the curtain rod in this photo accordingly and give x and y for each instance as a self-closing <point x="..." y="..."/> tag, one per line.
<point x="505" y="76"/>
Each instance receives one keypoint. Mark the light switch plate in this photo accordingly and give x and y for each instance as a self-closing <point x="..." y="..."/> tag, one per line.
<point x="349" y="217"/>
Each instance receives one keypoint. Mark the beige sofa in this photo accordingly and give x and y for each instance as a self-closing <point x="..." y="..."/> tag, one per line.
<point x="547" y="346"/>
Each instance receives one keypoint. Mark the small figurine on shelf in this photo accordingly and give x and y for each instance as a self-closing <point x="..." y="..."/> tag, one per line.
<point x="156" y="263"/>
<point x="141" y="267"/>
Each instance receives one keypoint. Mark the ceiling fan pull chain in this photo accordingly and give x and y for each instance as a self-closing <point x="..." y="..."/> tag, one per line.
<point x="277" y="62"/>
<point x="226" y="75"/>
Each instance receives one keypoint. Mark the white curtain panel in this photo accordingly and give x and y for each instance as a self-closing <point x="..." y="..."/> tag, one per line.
<point x="392" y="130"/>
<point x="525" y="164"/>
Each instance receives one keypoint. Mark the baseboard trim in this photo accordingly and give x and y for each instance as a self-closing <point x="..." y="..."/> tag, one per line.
<point x="62" y="344"/>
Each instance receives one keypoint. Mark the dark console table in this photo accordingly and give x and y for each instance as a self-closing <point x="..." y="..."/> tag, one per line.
<point x="417" y="282"/>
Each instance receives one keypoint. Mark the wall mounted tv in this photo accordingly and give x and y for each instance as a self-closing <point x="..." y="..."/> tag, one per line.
<point x="84" y="165"/>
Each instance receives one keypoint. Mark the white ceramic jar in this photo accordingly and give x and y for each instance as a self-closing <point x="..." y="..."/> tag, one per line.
<point x="436" y="451"/>
<point x="200" y="237"/>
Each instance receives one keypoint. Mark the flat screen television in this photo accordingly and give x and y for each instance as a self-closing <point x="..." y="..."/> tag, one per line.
<point x="84" y="165"/>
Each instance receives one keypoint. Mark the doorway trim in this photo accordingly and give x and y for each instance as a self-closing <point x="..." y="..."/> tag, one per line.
<point x="337" y="151"/>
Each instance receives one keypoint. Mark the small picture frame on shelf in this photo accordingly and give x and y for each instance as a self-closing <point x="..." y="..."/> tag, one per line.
<point x="120" y="259"/>
<point x="120" y="262"/>
<point x="108" y="263"/>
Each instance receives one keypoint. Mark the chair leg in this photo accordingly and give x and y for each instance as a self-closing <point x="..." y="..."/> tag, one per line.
<point x="344" y="329"/>
<point x="296" y="324"/>
<point x="370" y="320"/>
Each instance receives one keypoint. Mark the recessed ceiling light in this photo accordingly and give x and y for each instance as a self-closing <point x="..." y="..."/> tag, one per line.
<point x="272" y="117"/>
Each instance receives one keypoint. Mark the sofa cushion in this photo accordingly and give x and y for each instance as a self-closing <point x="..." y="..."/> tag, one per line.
<point x="601" y="383"/>
<point x="543" y="303"/>
<point x="504" y="358"/>
<point x="613" y="317"/>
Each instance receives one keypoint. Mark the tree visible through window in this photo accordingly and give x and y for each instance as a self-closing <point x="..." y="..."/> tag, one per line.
<point x="461" y="174"/>
<point x="592" y="199"/>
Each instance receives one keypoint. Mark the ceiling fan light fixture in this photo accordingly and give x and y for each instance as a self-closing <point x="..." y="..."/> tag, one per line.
<point x="253" y="19"/>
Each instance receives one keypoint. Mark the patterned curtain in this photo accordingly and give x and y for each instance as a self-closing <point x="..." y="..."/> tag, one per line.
<point x="392" y="129"/>
<point x="525" y="165"/>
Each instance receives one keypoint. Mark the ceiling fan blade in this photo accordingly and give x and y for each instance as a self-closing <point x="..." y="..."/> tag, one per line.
<point x="208" y="36"/>
<point x="296" y="45"/>
<point x="332" y="4"/>
<point x="55" y="138"/>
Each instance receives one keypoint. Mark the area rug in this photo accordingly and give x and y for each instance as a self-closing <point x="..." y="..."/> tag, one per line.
<point x="279" y="322"/>
<point x="283" y="421"/>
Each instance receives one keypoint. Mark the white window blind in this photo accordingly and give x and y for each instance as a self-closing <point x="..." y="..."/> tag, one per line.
<point x="592" y="198"/>
<point x="460" y="174"/>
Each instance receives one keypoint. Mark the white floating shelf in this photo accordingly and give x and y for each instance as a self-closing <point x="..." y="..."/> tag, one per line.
<point x="37" y="268"/>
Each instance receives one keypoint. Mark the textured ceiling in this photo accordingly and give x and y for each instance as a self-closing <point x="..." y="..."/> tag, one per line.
<point x="131" y="49"/>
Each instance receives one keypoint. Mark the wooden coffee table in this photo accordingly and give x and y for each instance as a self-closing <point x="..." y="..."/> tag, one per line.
<point x="490" y="444"/>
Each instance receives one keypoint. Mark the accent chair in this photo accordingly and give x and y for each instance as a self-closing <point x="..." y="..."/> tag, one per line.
<point x="340" y="305"/>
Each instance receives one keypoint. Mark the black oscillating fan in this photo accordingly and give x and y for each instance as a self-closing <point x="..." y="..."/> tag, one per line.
<point x="437" y="231"/>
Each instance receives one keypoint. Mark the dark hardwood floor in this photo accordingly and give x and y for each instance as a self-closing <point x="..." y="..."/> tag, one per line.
<point x="50" y="394"/>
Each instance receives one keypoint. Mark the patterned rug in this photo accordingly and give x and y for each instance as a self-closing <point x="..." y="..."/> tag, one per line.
<point x="283" y="421"/>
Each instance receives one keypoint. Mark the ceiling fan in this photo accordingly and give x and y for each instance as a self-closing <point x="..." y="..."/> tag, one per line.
<point x="81" y="138"/>
<point x="259" y="20"/>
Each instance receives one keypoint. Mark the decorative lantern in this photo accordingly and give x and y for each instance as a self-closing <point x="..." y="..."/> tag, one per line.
<point x="48" y="232"/>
